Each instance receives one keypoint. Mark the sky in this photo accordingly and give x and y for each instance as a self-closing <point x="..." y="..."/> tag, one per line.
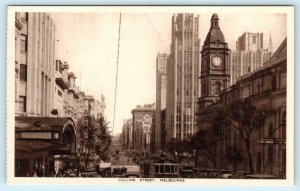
<point x="88" y="42"/>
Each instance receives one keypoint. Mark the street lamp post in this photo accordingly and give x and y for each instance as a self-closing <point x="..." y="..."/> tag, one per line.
<point x="78" y="163"/>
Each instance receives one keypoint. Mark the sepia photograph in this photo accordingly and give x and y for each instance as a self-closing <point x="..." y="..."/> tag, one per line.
<point x="125" y="94"/>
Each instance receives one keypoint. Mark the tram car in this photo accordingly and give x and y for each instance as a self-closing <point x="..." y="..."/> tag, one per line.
<point x="165" y="168"/>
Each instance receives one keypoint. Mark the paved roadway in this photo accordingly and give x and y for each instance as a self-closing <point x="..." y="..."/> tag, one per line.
<point x="122" y="159"/>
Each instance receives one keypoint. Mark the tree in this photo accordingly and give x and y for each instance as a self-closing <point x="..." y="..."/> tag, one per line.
<point x="246" y="118"/>
<point x="94" y="137"/>
<point x="103" y="139"/>
<point x="207" y="140"/>
<point x="179" y="148"/>
<point x="86" y="128"/>
<point x="234" y="156"/>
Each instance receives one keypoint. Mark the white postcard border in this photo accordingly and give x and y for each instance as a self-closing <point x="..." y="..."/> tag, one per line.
<point x="10" y="86"/>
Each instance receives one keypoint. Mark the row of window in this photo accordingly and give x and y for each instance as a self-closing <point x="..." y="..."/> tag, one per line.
<point x="259" y="85"/>
<point x="23" y="16"/>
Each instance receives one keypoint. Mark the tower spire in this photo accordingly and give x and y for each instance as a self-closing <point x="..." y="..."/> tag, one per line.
<point x="270" y="43"/>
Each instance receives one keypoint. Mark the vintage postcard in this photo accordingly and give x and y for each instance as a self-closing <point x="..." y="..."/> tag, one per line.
<point x="187" y="95"/>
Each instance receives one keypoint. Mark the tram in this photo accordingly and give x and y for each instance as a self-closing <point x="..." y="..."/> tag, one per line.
<point x="166" y="169"/>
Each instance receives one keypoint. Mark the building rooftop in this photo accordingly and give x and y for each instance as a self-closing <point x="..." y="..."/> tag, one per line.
<point x="215" y="34"/>
<point x="145" y="107"/>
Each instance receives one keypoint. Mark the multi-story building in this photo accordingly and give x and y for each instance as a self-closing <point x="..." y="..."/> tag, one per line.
<point x="163" y="134"/>
<point x="39" y="136"/>
<point x="34" y="64"/>
<point x="161" y="91"/>
<point x="182" y="77"/>
<point x="71" y="97"/>
<point x="66" y="93"/>
<point x="264" y="88"/>
<point x="249" y="55"/>
<point x="88" y="104"/>
<point x="60" y="85"/>
<point x="126" y="135"/>
<point x="19" y="107"/>
<point x="143" y="125"/>
<point x="80" y="105"/>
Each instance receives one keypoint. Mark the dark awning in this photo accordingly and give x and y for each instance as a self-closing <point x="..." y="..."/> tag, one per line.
<point x="43" y="123"/>
<point x="45" y="134"/>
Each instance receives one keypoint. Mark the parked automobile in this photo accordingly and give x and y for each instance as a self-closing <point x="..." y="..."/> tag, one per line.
<point x="90" y="174"/>
<point x="261" y="176"/>
<point x="226" y="175"/>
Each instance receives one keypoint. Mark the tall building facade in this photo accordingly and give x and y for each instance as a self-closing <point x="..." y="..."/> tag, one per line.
<point x="161" y="92"/>
<point x="59" y="91"/>
<point x="34" y="64"/>
<point x="126" y="135"/>
<point x="249" y="55"/>
<point x="143" y="125"/>
<point x="182" y="77"/>
<point x="264" y="89"/>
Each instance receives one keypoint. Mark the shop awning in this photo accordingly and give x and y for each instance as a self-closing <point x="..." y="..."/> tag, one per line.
<point x="51" y="135"/>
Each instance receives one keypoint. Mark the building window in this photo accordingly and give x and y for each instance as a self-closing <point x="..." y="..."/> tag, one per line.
<point x="59" y="93"/>
<point x="270" y="130"/>
<point x="23" y="44"/>
<point x="203" y="88"/>
<point x="24" y="17"/>
<point x="56" y="65"/>
<point x="23" y="72"/>
<point x="254" y="39"/>
<point x="22" y="103"/>
<point x="218" y="88"/>
<point x="282" y="80"/>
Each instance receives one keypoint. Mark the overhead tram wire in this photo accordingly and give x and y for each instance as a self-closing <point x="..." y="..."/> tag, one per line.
<point x="117" y="70"/>
<point x="157" y="34"/>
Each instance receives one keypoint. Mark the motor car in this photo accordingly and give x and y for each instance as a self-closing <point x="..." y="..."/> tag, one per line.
<point x="241" y="174"/>
<point x="90" y="174"/>
<point x="226" y="176"/>
<point x="261" y="176"/>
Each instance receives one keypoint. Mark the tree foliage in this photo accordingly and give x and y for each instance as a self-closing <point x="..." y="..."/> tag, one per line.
<point x="207" y="140"/>
<point x="179" y="148"/>
<point x="103" y="139"/>
<point x="246" y="118"/>
<point x="93" y="136"/>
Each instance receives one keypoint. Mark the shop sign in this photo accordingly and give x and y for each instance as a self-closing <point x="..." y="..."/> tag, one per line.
<point x="147" y="122"/>
<point x="272" y="141"/>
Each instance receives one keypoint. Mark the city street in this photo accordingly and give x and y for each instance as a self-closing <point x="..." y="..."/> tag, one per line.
<point x="150" y="95"/>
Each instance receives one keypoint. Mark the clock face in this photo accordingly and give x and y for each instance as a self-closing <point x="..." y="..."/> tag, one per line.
<point x="217" y="61"/>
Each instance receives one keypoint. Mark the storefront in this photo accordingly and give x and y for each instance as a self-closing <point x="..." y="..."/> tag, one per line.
<point x="38" y="143"/>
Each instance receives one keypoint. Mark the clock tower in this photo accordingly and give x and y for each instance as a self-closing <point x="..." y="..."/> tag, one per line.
<point x="214" y="64"/>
